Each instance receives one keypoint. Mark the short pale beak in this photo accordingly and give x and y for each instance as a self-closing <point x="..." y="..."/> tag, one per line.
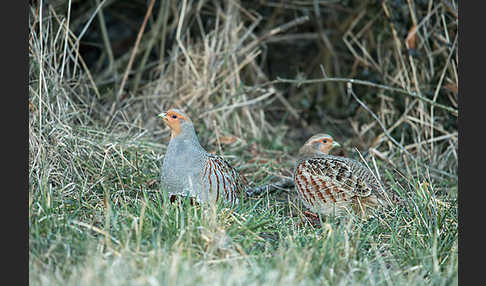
<point x="335" y="144"/>
<point x="162" y="115"/>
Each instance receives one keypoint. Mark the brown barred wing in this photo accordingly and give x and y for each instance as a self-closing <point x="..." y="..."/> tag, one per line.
<point x="223" y="181"/>
<point x="326" y="180"/>
<point x="384" y="195"/>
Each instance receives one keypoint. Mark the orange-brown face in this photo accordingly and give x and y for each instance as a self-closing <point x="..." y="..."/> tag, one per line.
<point x="174" y="119"/>
<point x="323" y="143"/>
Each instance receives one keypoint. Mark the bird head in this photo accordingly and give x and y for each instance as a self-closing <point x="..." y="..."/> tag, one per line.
<point x="177" y="121"/>
<point x="319" y="143"/>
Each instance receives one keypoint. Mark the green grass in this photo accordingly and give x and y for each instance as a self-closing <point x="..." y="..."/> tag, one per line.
<point x="137" y="238"/>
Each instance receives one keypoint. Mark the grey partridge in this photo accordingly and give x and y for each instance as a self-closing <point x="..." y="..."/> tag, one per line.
<point x="331" y="184"/>
<point x="190" y="171"/>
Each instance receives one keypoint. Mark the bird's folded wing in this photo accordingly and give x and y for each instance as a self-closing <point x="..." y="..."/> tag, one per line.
<point x="222" y="178"/>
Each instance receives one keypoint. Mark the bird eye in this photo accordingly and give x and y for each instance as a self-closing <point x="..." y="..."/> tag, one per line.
<point x="324" y="141"/>
<point x="174" y="116"/>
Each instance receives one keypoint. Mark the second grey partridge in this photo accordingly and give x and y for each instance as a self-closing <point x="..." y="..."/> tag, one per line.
<point x="331" y="184"/>
<point x="190" y="171"/>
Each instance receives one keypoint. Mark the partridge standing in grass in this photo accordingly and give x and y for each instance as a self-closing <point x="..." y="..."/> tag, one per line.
<point x="188" y="170"/>
<point x="329" y="184"/>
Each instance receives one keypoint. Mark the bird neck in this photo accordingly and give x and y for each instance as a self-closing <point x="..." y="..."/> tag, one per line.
<point x="309" y="151"/>
<point x="187" y="136"/>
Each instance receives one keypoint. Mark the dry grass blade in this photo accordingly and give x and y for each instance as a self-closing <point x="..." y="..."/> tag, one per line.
<point x="132" y="56"/>
<point x="350" y="91"/>
<point x="367" y="83"/>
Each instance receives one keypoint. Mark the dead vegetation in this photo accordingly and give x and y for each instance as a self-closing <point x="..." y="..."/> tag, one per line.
<point x="258" y="78"/>
<point x="266" y="69"/>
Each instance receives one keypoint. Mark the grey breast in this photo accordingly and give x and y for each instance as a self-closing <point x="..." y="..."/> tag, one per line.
<point x="181" y="169"/>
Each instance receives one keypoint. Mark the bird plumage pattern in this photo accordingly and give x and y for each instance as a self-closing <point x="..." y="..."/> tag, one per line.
<point x="189" y="170"/>
<point x="330" y="184"/>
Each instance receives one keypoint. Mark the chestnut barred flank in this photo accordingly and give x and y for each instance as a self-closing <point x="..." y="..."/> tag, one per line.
<point x="223" y="179"/>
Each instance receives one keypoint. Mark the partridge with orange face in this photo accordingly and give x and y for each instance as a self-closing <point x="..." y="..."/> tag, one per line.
<point x="189" y="170"/>
<point x="331" y="184"/>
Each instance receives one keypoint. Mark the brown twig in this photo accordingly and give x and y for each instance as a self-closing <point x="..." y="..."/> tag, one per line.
<point x="281" y="184"/>
<point x="132" y="56"/>
<point x="350" y="91"/>
<point x="155" y="32"/>
<point x="363" y="82"/>
<point x="275" y="31"/>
